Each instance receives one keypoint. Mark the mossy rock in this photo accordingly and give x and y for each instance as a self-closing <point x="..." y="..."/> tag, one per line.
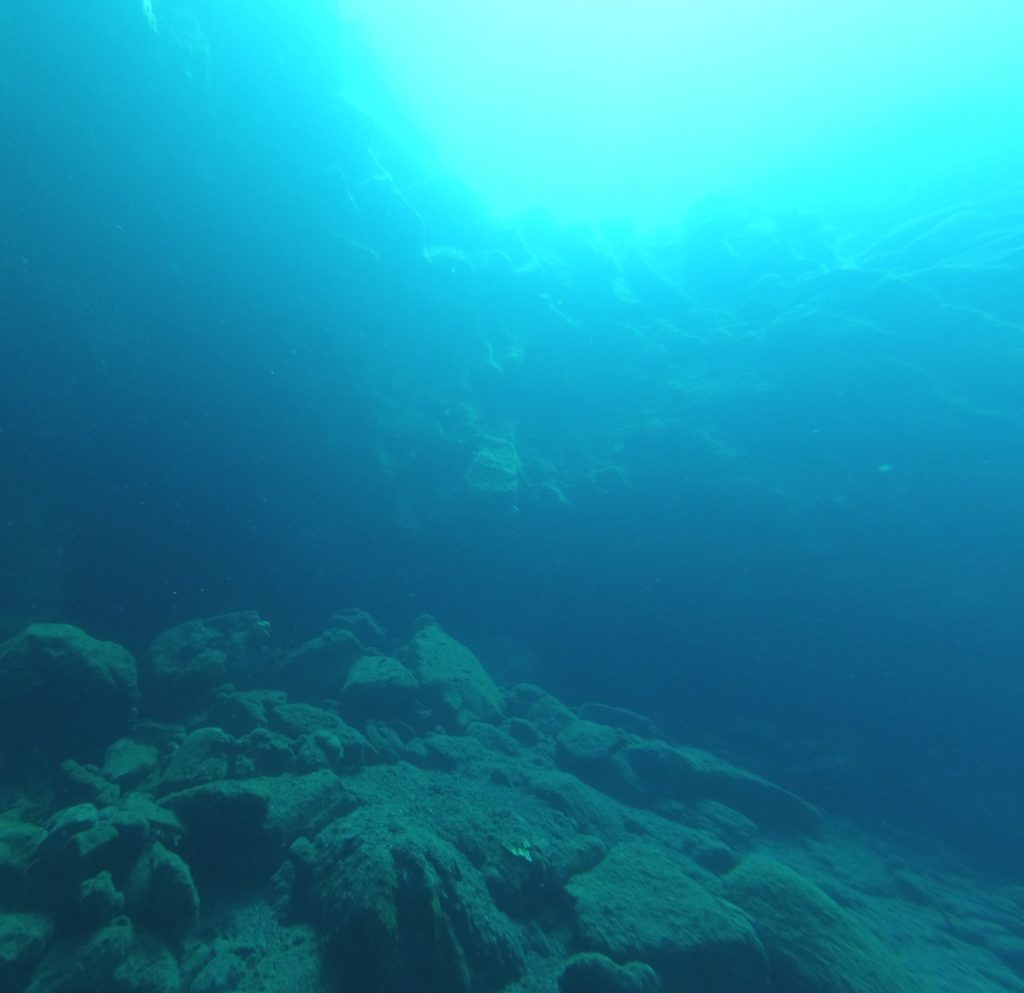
<point x="645" y="904"/>
<point x="813" y="944"/>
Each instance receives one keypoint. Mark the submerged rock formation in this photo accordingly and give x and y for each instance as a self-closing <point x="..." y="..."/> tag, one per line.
<point x="426" y="829"/>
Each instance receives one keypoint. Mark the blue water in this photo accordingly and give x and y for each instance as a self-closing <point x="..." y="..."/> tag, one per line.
<point x="757" y="473"/>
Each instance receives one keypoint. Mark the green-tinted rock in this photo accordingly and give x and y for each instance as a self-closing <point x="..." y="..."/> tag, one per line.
<point x="299" y="720"/>
<point x="84" y="965"/>
<point x="19" y="840"/>
<point x="813" y="944"/>
<point x="378" y="686"/>
<point x="453" y="684"/>
<point x="657" y="772"/>
<point x="303" y="804"/>
<point x="84" y="784"/>
<point x="365" y="627"/>
<point x="186" y="662"/>
<point x="162" y="896"/>
<point x="150" y="967"/>
<point x="138" y="818"/>
<point x="224" y="827"/>
<point x="97" y="902"/>
<point x="23" y="938"/>
<point x="240" y="712"/>
<point x="584" y="746"/>
<point x="318" y="668"/>
<point x="128" y="763"/>
<point x="399" y="903"/>
<point x="203" y="757"/>
<point x="642" y="903"/>
<point x="63" y="692"/>
<point x="618" y="717"/>
<point x="595" y="973"/>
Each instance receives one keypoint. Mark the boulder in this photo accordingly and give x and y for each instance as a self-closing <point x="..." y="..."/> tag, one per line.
<point x="128" y="763"/>
<point x="813" y="944"/>
<point x="161" y="895"/>
<point x="116" y="958"/>
<point x="654" y="771"/>
<point x="18" y="841"/>
<point x="23" y="938"/>
<point x="584" y="747"/>
<point x="398" y="903"/>
<point x="595" y="973"/>
<point x="378" y="686"/>
<point x="97" y="903"/>
<point x="317" y="669"/>
<point x="203" y="757"/>
<point x="618" y="717"/>
<point x="223" y="828"/>
<point x="63" y="693"/>
<point x="242" y="711"/>
<point x="185" y="663"/>
<point x="256" y="953"/>
<point x="78" y="843"/>
<point x="454" y="687"/>
<point x="304" y="722"/>
<point x="643" y="904"/>
<point x="85" y="964"/>
<point x="361" y="624"/>
<point x="85" y="784"/>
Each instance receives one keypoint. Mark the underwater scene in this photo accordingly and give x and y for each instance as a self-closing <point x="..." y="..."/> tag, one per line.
<point x="511" y="498"/>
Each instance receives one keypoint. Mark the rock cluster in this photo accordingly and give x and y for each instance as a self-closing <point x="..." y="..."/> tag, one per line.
<point x="354" y="815"/>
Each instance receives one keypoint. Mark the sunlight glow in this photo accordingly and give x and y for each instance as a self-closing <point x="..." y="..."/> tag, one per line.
<point x="593" y="108"/>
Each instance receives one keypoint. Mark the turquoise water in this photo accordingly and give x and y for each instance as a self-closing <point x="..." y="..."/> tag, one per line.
<point x="672" y="360"/>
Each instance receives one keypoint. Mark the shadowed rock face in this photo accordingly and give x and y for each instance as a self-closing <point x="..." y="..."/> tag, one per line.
<point x="430" y="831"/>
<point x="63" y="692"/>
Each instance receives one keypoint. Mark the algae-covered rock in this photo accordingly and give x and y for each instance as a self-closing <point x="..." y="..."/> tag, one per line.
<point x="128" y="762"/>
<point x="186" y="662"/>
<point x="400" y="903"/>
<point x="77" y="844"/>
<point x="63" y="693"/>
<point x="618" y="717"/>
<point x="643" y="904"/>
<point x="223" y="826"/>
<point x="257" y="953"/>
<point x="453" y="684"/>
<point x="814" y="946"/>
<point x="85" y="784"/>
<point x="378" y="686"/>
<point x="203" y="757"/>
<point x="117" y="958"/>
<point x="138" y="819"/>
<point x="585" y="747"/>
<point x="317" y="669"/>
<point x="657" y="771"/>
<point x="23" y="938"/>
<point x="97" y="903"/>
<point x="495" y="469"/>
<point x="304" y="804"/>
<point x="363" y="625"/>
<point x="161" y="894"/>
<point x="592" y="972"/>
<point x="242" y="711"/>
<point x="306" y="725"/>
<point x="151" y="967"/>
<point x="87" y="964"/>
<point x="18" y="842"/>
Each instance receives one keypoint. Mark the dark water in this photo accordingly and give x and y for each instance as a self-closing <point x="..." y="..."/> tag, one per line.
<point x="760" y="477"/>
